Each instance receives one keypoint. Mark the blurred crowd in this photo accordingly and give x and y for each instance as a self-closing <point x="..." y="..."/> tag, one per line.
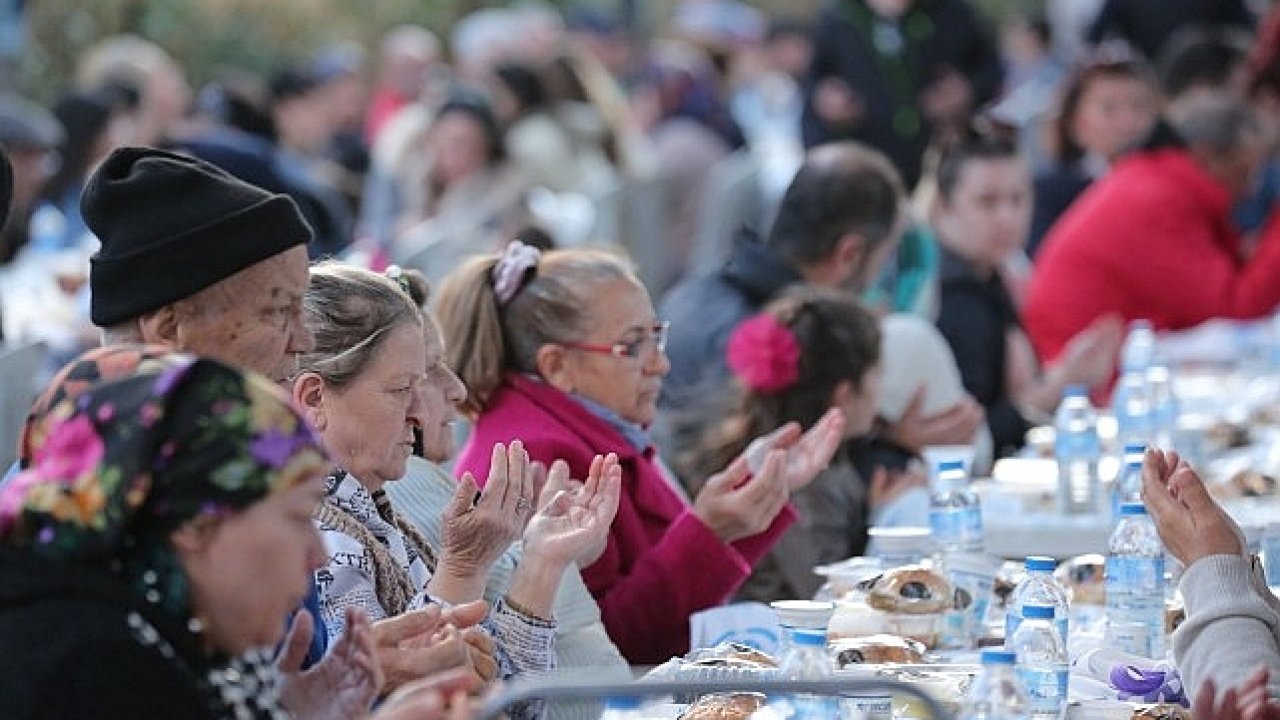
<point x="718" y="289"/>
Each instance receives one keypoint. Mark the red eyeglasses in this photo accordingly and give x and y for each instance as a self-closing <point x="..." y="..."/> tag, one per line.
<point x="655" y="339"/>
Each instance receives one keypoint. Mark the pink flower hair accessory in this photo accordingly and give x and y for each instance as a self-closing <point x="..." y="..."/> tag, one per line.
<point x="764" y="354"/>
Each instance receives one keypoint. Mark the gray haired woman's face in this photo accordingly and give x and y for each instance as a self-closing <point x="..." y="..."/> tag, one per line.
<point x="368" y="424"/>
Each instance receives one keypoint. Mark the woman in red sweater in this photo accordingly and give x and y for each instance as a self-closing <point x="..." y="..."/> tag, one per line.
<point x="564" y="352"/>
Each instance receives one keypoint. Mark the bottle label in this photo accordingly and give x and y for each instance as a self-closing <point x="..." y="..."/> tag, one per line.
<point x="1135" y="604"/>
<point x="814" y="707"/>
<point x="1046" y="689"/>
<point x="1072" y="445"/>
<point x="869" y="707"/>
<point x="1013" y="619"/>
<point x="957" y="527"/>
<point x="1137" y="575"/>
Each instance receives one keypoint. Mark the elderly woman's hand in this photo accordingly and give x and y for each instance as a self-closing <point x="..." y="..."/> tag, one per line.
<point x="735" y="503"/>
<point x="1191" y="525"/>
<point x="573" y="526"/>
<point x="443" y="696"/>
<point x="341" y="685"/>
<point x="477" y="531"/>
<point x="421" y="642"/>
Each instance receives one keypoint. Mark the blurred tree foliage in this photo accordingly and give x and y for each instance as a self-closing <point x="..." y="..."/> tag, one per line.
<point x="260" y="35"/>
<point x="204" y="35"/>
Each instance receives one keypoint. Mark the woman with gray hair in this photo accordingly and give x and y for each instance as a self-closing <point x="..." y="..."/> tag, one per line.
<point x="364" y="388"/>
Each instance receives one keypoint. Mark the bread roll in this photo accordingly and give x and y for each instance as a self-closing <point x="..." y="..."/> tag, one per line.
<point x="724" y="706"/>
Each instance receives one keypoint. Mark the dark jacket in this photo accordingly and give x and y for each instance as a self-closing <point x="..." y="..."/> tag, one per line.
<point x="975" y="316"/>
<point x="72" y="649"/>
<point x="937" y="36"/>
<point x="1055" y="190"/>
<point x="1136" y="22"/>
<point x="704" y="311"/>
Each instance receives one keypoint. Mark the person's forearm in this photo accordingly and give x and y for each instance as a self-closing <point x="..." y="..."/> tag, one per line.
<point x="455" y="585"/>
<point x="533" y="587"/>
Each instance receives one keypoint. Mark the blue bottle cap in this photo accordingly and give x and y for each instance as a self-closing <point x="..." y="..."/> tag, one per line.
<point x="1132" y="508"/>
<point x="998" y="657"/>
<point x="623" y="702"/>
<point x="1040" y="563"/>
<point x="951" y="465"/>
<point x="1135" y="448"/>
<point x="1075" y="391"/>
<point x="1038" y="612"/>
<point x="808" y="638"/>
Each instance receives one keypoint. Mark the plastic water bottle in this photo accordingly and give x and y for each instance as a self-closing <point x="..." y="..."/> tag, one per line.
<point x="1135" y="585"/>
<point x="996" y="693"/>
<point x="1128" y="486"/>
<point x="1041" y="662"/>
<point x="1139" y="349"/>
<point x="626" y="707"/>
<point x="1038" y="588"/>
<point x="804" y="627"/>
<point x="1131" y="401"/>
<point x="955" y="513"/>
<point x="1165" y="408"/>
<point x="1077" y="450"/>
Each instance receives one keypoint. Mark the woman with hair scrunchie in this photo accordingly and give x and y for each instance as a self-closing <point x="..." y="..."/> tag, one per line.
<point x="564" y="351"/>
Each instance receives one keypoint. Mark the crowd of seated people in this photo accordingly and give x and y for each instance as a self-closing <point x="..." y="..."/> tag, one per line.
<point x="277" y="307"/>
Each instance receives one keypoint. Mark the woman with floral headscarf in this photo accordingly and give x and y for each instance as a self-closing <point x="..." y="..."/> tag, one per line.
<point x="157" y="537"/>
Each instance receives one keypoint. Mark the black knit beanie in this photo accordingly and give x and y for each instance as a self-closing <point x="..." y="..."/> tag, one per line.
<point x="172" y="225"/>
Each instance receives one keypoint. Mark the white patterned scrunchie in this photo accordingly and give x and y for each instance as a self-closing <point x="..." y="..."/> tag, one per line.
<point x="515" y="266"/>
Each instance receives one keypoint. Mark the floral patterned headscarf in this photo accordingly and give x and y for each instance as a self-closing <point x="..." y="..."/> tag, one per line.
<point x="130" y="443"/>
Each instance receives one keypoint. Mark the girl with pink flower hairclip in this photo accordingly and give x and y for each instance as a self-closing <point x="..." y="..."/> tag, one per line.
<point x="809" y="351"/>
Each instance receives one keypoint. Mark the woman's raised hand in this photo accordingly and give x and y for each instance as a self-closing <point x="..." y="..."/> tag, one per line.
<point x="1191" y="524"/>
<point x="736" y="503"/>
<point x="573" y="524"/>
<point x="810" y="453"/>
<point x="479" y="525"/>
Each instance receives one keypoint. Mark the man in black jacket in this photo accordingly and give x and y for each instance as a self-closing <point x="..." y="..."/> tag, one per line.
<point x="838" y="223"/>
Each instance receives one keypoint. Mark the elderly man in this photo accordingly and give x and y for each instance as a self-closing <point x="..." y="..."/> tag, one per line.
<point x="199" y="261"/>
<point x="196" y="260"/>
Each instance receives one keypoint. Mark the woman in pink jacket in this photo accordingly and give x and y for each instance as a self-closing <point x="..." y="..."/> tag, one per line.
<point x="564" y="352"/>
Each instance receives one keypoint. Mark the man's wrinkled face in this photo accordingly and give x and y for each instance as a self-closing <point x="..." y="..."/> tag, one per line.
<point x="253" y="319"/>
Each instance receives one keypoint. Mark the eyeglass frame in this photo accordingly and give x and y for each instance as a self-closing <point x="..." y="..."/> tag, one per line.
<point x="631" y="350"/>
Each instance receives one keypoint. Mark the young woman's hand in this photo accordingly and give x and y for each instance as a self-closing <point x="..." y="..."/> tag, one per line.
<point x="736" y="504"/>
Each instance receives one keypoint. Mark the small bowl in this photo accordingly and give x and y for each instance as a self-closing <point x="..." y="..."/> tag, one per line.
<point x="924" y="627"/>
